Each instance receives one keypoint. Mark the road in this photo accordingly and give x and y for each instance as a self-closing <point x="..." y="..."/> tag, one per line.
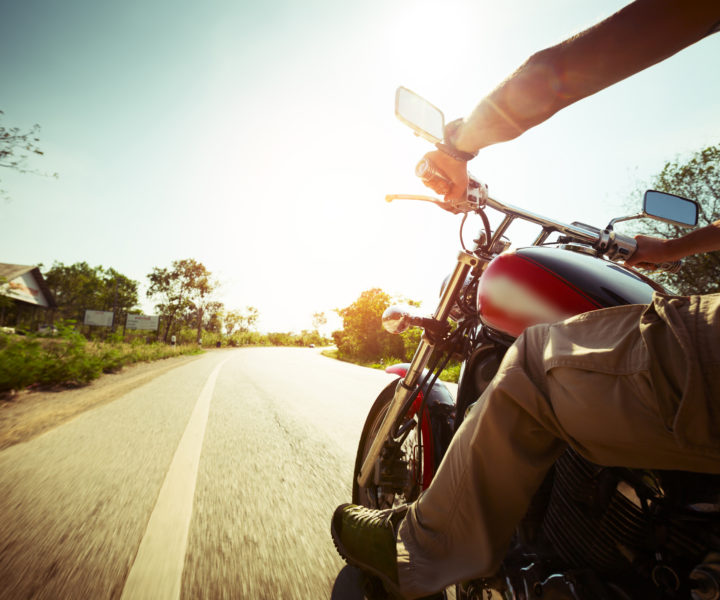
<point x="216" y="479"/>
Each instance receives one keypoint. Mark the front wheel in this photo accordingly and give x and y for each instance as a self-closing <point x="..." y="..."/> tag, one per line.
<point x="409" y="470"/>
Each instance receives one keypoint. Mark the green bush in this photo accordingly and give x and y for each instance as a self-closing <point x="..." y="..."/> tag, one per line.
<point x="211" y="338"/>
<point x="66" y="360"/>
<point x="451" y="372"/>
<point x="113" y="358"/>
<point x="253" y="338"/>
<point x="69" y="359"/>
<point x="19" y="366"/>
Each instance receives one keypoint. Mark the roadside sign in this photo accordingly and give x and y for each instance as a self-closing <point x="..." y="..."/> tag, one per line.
<point x="142" y="322"/>
<point x="98" y="318"/>
<point x="24" y="288"/>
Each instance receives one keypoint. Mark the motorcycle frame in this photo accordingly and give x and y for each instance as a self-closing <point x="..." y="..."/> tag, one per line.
<point x="408" y="384"/>
<point x="615" y="247"/>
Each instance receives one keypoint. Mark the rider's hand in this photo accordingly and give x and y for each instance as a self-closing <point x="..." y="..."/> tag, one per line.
<point x="456" y="172"/>
<point x="651" y="251"/>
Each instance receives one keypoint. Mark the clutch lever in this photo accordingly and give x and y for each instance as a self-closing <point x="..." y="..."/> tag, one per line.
<point x="418" y="197"/>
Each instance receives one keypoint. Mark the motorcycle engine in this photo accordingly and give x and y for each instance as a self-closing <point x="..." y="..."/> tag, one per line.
<point x="598" y="532"/>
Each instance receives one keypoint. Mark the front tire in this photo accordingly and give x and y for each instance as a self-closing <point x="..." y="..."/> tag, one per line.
<point x="413" y="452"/>
<point x="420" y="469"/>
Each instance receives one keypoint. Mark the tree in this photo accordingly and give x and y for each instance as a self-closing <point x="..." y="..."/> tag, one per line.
<point x="251" y="317"/>
<point x="120" y="294"/>
<point x="319" y="319"/>
<point x="362" y="336"/>
<point x="203" y="304"/>
<point x="231" y="320"/>
<point x="182" y="289"/>
<point x="698" y="179"/>
<point x="243" y="320"/>
<point x="213" y="319"/>
<point x="79" y="287"/>
<point x="15" y="148"/>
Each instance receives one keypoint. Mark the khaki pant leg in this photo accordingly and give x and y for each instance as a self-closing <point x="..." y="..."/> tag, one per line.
<point x="604" y="400"/>
<point x="583" y="381"/>
<point x="460" y="528"/>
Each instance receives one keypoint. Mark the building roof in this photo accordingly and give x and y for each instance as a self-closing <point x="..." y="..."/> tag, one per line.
<point x="9" y="272"/>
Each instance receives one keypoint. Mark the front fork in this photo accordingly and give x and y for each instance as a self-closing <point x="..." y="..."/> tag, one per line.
<point x="407" y="384"/>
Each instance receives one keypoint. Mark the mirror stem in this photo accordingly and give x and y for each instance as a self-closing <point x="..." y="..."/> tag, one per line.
<point x="612" y="223"/>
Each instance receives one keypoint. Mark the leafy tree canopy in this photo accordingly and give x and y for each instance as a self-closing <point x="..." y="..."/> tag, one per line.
<point x="15" y="148"/>
<point x="213" y="316"/>
<point x="319" y="319"/>
<point x="79" y="286"/>
<point x="362" y="336"/>
<point x="182" y="289"/>
<point x="697" y="178"/>
<point x="241" y="321"/>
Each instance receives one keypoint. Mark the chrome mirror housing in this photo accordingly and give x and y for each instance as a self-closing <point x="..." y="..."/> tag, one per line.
<point x="425" y="119"/>
<point x="670" y="208"/>
<point x="662" y="206"/>
<point x="397" y="319"/>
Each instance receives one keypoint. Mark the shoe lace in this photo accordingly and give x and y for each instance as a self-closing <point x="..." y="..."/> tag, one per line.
<point x="375" y="518"/>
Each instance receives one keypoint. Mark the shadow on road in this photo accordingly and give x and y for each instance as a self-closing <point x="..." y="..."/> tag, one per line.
<point x="348" y="585"/>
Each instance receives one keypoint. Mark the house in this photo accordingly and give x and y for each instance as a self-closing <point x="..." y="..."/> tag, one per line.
<point x="25" y="298"/>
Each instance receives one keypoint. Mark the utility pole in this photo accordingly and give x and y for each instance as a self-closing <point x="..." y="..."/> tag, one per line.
<point x="199" y="325"/>
<point x="115" y="305"/>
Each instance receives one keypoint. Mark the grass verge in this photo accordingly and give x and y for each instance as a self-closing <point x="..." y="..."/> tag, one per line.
<point x="451" y="373"/>
<point x="68" y="359"/>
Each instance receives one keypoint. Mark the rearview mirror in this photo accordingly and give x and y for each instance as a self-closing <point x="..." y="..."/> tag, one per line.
<point x="425" y="119"/>
<point x="670" y="208"/>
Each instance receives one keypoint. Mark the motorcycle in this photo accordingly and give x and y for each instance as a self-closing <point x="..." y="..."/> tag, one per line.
<point x="592" y="532"/>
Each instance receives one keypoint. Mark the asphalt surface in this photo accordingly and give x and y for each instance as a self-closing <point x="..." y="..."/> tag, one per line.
<point x="273" y="446"/>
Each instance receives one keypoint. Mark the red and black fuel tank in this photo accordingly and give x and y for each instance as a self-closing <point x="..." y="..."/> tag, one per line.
<point x="542" y="285"/>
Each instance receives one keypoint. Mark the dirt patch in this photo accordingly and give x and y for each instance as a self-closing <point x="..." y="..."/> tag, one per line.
<point x="30" y="413"/>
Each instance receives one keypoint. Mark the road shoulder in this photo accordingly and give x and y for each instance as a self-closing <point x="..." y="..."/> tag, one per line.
<point x="31" y="413"/>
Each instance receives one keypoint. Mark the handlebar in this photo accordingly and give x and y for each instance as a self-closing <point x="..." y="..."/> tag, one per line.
<point x="614" y="245"/>
<point x="475" y="201"/>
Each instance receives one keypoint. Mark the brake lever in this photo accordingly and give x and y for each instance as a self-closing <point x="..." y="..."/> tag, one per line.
<point x="418" y="197"/>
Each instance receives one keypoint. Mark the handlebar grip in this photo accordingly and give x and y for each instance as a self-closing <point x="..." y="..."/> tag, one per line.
<point x="433" y="177"/>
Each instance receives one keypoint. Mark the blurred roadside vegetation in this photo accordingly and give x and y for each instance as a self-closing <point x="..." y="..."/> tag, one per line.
<point x="363" y="341"/>
<point x="451" y="373"/>
<point x="237" y="339"/>
<point x="67" y="358"/>
<point x="44" y="348"/>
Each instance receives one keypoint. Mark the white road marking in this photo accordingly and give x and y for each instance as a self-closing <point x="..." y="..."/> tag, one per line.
<point x="156" y="573"/>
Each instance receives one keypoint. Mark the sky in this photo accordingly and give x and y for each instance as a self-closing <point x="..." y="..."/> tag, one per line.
<point x="260" y="138"/>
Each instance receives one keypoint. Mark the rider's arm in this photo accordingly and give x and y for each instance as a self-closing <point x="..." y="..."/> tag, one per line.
<point x="657" y="250"/>
<point x="636" y="37"/>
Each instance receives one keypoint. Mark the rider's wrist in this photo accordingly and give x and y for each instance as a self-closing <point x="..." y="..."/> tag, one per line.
<point x="453" y="152"/>
<point x="465" y="139"/>
<point x="451" y="146"/>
